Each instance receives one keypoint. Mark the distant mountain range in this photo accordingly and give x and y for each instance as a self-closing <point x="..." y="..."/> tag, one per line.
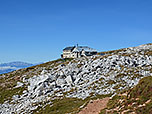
<point x="11" y="66"/>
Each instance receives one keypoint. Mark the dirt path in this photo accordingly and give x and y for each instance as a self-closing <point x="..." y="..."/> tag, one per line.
<point x="95" y="106"/>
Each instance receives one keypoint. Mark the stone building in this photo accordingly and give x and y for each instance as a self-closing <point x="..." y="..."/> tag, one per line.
<point x="78" y="51"/>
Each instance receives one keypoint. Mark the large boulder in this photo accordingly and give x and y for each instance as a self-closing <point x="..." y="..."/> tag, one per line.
<point x="69" y="80"/>
<point x="61" y="82"/>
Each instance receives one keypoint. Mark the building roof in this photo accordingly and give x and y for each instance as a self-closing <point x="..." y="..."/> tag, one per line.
<point x="69" y="48"/>
<point x="85" y="48"/>
<point x="79" y="49"/>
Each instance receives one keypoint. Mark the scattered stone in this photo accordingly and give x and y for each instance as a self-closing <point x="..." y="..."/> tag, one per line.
<point x="19" y="84"/>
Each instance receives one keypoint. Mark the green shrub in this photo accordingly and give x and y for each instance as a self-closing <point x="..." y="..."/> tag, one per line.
<point x="62" y="106"/>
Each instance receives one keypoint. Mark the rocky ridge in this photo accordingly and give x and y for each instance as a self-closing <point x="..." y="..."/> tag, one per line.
<point x="81" y="78"/>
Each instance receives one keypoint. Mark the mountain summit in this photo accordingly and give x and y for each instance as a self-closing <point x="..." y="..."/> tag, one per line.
<point x="68" y="85"/>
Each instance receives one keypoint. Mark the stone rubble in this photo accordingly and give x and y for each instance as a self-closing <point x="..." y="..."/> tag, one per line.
<point x="82" y="77"/>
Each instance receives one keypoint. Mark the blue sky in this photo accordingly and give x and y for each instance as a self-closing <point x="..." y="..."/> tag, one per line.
<point x="37" y="30"/>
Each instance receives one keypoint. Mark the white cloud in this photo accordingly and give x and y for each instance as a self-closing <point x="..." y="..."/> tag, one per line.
<point x="8" y="67"/>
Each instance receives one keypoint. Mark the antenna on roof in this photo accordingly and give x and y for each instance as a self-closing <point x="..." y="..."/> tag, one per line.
<point x="77" y="45"/>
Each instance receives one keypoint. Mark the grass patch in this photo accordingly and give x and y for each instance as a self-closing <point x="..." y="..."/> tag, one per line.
<point x="113" y="102"/>
<point x="137" y="96"/>
<point x="6" y="94"/>
<point x="143" y="90"/>
<point x="145" y="110"/>
<point x="62" y="106"/>
<point x="110" y="82"/>
<point x="148" y="53"/>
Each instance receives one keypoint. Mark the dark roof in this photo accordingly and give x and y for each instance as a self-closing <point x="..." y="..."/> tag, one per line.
<point x="68" y="48"/>
<point x="85" y="48"/>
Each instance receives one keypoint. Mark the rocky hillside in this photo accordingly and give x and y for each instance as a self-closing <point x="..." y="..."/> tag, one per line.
<point x="66" y="86"/>
<point x="137" y="100"/>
